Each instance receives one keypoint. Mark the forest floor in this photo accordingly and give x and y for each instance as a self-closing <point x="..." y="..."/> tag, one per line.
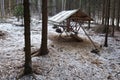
<point x="67" y="58"/>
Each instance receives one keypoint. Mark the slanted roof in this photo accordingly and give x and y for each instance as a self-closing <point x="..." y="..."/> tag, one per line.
<point x="73" y="14"/>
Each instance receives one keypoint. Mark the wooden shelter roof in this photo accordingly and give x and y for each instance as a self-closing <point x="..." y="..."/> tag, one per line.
<point x="70" y="14"/>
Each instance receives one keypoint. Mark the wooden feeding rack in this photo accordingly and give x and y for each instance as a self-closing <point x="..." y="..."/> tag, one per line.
<point x="69" y="21"/>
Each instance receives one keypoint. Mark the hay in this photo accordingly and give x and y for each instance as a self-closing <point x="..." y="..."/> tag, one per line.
<point x="66" y="41"/>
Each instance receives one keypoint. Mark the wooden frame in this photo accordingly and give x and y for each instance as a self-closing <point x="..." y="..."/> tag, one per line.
<point x="70" y="21"/>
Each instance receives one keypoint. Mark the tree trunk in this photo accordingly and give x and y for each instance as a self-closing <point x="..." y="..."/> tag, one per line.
<point x="107" y="22"/>
<point x="68" y="4"/>
<point x="63" y="4"/>
<point x="17" y="2"/>
<point x="39" y="9"/>
<point x="89" y="13"/>
<point x="28" y="62"/>
<point x="118" y="15"/>
<point x="2" y="8"/>
<point x="9" y="8"/>
<point x="80" y="4"/>
<point x="54" y="7"/>
<point x="113" y="17"/>
<point x="44" y="49"/>
<point x="103" y="12"/>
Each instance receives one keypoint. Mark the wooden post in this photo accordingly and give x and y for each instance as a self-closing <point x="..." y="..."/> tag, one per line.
<point x="68" y="25"/>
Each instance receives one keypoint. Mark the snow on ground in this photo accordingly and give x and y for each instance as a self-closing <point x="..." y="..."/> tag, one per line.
<point x="67" y="59"/>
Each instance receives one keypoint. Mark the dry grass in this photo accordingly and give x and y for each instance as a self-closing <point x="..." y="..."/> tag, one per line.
<point x="71" y="42"/>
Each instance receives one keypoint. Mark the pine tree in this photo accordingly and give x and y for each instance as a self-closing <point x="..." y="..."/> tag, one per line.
<point x="44" y="49"/>
<point x="107" y="22"/>
<point x="28" y="62"/>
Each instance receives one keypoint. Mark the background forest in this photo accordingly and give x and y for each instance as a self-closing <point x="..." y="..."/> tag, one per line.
<point x="97" y="9"/>
<point x="25" y="32"/>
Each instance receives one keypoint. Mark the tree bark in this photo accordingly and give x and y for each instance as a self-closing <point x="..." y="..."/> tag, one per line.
<point x="54" y="7"/>
<point x="63" y="4"/>
<point x="2" y="8"/>
<point x="80" y="4"/>
<point x="113" y="17"/>
<point x="118" y="14"/>
<point x="28" y="62"/>
<point x="107" y="22"/>
<point x="44" y="49"/>
<point x="39" y="9"/>
<point x="103" y="12"/>
<point x="89" y="13"/>
<point x="9" y="8"/>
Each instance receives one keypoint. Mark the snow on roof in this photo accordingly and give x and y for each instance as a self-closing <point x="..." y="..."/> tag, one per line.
<point x="73" y="14"/>
<point x="60" y="17"/>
